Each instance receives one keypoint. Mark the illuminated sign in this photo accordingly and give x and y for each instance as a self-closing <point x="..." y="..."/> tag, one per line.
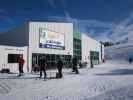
<point x="50" y="39"/>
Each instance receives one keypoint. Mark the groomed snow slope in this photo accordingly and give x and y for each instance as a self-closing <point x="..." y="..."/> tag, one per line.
<point x="110" y="81"/>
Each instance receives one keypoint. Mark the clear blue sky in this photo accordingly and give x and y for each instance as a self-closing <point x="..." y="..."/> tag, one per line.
<point x="87" y="12"/>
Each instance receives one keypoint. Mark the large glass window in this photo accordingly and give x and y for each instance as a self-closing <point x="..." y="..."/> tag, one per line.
<point x="13" y="58"/>
<point x="94" y="56"/>
<point x="52" y="59"/>
<point x="77" y="48"/>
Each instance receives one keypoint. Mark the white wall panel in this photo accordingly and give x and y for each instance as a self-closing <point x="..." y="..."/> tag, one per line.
<point x="89" y="44"/>
<point x="5" y="50"/>
<point x="66" y="28"/>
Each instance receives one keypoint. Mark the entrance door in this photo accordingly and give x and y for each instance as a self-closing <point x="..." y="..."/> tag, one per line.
<point x="94" y="56"/>
<point x="34" y="59"/>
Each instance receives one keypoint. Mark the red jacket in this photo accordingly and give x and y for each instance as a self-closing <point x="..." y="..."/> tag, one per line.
<point x="21" y="61"/>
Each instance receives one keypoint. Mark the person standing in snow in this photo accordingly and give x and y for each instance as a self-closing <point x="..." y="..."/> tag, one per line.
<point x="42" y="65"/>
<point x="21" y="63"/>
<point x="91" y="63"/>
<point x="74" y="65"/>
<point x="59" y="67"/>
<point x="130" y="60"/>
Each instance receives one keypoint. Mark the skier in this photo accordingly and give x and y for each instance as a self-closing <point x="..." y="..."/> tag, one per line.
<point x="74" y="65"/>
<point x="91" y="64"/>
<point x="21" y="63"/>
<point x="130" y="60"/>
<point x="59" y="67"/>
<point x="42" y="65"/>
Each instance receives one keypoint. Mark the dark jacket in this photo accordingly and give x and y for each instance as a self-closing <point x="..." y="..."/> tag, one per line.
<point x="42" y="63"/>
<point x="60" y="64"/>
<point x="75" y="61"/>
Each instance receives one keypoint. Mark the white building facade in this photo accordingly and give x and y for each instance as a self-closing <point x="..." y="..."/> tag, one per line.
<point x="92" y="49"/>
<point x="50" y="53"/>
<point x="49" y="40"/>
<point x="9" y="56"/>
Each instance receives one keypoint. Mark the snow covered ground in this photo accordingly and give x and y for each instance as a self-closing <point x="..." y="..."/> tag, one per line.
<point x="109" y="81"/>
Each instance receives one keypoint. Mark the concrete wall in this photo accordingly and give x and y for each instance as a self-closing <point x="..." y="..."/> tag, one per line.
<point x="5" y="50"/>
<point x="89" y="44"/>
<point x="66" y="28"/>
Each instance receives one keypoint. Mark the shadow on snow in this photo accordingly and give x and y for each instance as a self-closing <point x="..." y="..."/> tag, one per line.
<point x="118" y="72"/>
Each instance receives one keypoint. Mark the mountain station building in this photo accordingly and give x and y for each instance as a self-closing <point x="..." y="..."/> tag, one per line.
<point x="50" y="40"/>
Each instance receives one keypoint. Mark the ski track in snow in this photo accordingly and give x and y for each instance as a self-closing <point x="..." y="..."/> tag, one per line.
<point x="4" y="88"/>
<point x="91" y="84"/>
<point x="124" y="93"/>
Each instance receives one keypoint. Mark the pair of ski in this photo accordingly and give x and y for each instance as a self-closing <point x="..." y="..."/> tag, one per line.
<point x="47" y="78"/>
<point x="44" y="79"/>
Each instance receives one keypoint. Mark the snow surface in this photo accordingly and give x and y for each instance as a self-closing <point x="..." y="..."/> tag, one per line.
<point x="109" y="81"/>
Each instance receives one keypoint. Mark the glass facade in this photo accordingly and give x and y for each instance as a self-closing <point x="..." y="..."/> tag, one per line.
<point x="77" y="46"/>
<point x="94" y="55"/>
<point x="51" y="59"/>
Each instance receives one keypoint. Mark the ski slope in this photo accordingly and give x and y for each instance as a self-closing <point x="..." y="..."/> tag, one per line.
<point x="110" y="81"/>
